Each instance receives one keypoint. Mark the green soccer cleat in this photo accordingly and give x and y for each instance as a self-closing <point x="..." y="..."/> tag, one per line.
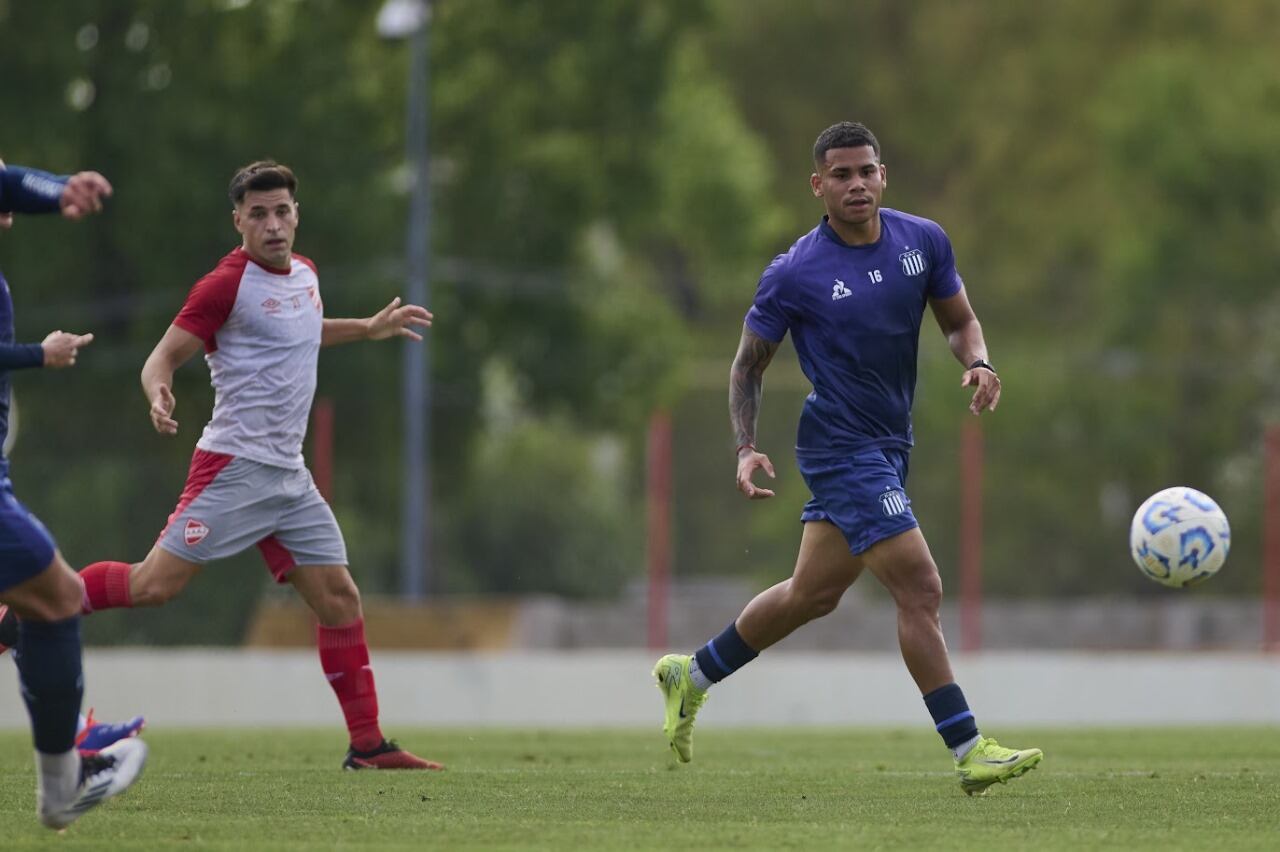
<point x="683" y="700"/>
<point x="989" y="763"/>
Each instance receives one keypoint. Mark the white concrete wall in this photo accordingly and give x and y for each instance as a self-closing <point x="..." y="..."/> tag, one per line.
<point x="194" y="687"/>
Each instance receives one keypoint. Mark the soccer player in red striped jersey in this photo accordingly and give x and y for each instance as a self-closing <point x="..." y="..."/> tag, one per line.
<point x="259" y="318"/>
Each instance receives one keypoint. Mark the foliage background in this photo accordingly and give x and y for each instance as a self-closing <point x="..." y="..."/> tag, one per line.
<point x="609" y="177"/>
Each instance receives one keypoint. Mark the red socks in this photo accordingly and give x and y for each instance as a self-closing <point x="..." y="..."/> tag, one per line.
<point x="344" y="656"/>
<point x="106" y="586"/>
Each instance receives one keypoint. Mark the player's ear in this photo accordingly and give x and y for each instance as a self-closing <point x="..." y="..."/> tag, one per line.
<point x="235" y="219"/>
<point x="884" y="175"/>
<point x="815" y="183"/>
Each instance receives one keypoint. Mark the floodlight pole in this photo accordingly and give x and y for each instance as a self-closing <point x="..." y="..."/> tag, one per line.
<point x="415" y="523"/>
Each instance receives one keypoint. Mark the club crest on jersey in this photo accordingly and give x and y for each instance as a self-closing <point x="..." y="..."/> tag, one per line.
<point x="893" y="502"/>
<point x="194" y="532"/>
<point x="840" y="291"/>
<point x="913" y="263"/>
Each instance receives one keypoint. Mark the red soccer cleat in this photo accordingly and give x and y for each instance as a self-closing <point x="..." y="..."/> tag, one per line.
<point x="387" y="755"/>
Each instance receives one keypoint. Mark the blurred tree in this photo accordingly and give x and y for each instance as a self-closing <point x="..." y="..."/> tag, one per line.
<point x="610" y="178"/>
<point x="1103" y="169"/>
<point x="568" y="138"/>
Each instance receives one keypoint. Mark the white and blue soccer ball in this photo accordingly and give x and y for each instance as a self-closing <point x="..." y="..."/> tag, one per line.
<point x="1179" y="537"/>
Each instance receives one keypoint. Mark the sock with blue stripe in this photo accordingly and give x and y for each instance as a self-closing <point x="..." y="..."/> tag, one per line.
<point x="953" y="719"/>
<point x="721" y="657"/>
<point x="48" y="659"/>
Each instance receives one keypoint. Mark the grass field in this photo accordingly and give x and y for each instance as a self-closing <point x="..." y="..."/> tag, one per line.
<point x="760" y="789"/>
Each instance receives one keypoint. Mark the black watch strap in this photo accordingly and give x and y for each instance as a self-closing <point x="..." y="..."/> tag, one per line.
<point x="983" y="364"/>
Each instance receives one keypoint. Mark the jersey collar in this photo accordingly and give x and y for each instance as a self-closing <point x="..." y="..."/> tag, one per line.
<point x="830" y="233"/>
<point x="274" y="270"/>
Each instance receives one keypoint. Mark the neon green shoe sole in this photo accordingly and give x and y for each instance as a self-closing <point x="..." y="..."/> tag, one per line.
<point x="989" y="763"/>
<point x="682" y="699"/>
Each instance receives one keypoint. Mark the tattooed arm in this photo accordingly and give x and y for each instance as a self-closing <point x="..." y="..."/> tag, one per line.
<point x="746" y="386"/>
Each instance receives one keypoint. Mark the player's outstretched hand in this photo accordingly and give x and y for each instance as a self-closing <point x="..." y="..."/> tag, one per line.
<point x="748" y="461"/>
<point x="396" y="320"/>
<point x="162" y="411"/>
<point x="987" y="394"/>
<point x="83" y="195"/>
<point x="60" y="348"/>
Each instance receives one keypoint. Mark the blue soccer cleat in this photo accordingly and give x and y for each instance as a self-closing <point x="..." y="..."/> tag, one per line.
<point x="95" y="736"/>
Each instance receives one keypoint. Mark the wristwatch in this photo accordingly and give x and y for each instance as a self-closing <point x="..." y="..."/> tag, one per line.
<point x="986" y="365"/>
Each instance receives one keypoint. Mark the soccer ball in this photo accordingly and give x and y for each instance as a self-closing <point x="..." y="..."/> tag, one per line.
<point x="1179" y="537"/>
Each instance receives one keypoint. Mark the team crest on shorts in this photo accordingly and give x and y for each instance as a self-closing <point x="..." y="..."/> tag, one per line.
<point x="893" y="503"/>
<point x="194" y="532"/>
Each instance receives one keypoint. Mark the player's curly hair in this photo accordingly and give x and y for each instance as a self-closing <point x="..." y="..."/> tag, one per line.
<point x="261" y="175"/>
<point x="846" y="134"/>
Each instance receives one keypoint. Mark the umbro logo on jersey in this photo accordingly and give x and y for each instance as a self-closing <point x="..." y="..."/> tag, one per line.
<point x="272" y="306"/>
<point x="893" y="503"/>
<point x="913" y="262"/>
<point x="840" y="291"/>
<point x="194" y="532"/>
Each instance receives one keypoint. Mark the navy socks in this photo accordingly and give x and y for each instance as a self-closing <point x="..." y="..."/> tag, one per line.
<point x="724" y="655"/>
<point x="48" y="659"/>
<point x="951" y="715"/>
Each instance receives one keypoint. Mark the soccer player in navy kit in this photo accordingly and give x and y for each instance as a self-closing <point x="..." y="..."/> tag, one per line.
<point x="852" y="292"/>
<point x="35" y="581"/>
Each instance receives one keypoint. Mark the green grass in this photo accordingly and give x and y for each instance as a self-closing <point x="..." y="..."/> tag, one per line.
<point x="761" y="789"/>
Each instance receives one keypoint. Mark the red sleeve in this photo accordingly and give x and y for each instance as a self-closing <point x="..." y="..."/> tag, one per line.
<point x="309" y="262"/>
<point x="210" y="301"/>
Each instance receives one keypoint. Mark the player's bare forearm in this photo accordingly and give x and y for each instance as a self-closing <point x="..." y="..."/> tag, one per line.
<point x="969" y="348"/>
<point x="336" y="331"/>
<point x="746" y="384"/>
<point x="156" y="371"/>
<point x="395" y="320"/>
<point x="174" y="349"/>
<point x="959" y="324"/>
<point x="967" y="343"/>
<point x="157" y="384"/>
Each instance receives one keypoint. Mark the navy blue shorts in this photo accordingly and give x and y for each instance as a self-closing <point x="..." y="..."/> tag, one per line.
<point x="26" y="548"/>
<point x="863" y="494"/>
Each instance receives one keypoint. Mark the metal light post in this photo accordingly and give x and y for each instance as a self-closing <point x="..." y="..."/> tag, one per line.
<point x="411" y="19"/>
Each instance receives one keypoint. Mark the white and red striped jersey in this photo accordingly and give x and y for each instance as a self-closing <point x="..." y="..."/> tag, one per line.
<point x="261" y="329"/>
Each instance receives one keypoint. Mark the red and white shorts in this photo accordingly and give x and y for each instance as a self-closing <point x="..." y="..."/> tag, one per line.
<point x="231" y="503"/>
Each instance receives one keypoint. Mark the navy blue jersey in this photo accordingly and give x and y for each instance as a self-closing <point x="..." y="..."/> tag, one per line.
<point x="22" y="190"/>
<point x="12" y="355"/>
<point x="854" y="314"/>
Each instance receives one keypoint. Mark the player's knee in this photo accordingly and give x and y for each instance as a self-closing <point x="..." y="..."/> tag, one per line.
<point x="53" y="595"/>
<point x="341" y="602"/>
<point x="924" y="596"/>
<point x="150" y="588"/>
<point x="68" y="599"/>
<point x="815" y="603"/>
<point x="344" y="603"/>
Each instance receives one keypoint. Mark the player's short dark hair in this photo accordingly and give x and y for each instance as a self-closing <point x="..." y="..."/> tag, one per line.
<point x="260" y="176"/>
<point x="846" y="134"/>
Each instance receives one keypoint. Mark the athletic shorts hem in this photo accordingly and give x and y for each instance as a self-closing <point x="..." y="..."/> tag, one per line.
<point x="11" y="578"/>
<point x="180" y="554"/>
<point x="865" y="542"/>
